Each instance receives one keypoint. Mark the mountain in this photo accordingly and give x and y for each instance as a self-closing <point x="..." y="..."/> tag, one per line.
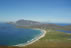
<point x="35" y="24"/>
<point x="23" y="22"/>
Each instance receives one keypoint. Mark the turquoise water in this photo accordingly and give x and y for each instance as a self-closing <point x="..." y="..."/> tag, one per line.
<point x="10" y="35"/>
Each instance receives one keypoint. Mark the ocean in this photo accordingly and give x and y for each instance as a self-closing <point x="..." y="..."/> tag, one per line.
<point x="62" y="24"/>
<point x="10" y="35"/>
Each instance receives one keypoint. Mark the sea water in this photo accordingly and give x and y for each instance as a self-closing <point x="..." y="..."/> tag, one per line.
<point x="10" y="35"/>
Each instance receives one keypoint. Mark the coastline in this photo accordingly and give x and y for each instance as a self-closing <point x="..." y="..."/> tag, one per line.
<point x="33" y="40"/>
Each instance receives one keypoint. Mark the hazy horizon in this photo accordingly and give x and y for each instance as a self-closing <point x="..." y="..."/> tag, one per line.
<point x="53" y="11"/>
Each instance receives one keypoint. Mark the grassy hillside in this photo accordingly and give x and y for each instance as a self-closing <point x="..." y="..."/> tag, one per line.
<point x="53" y="39"/>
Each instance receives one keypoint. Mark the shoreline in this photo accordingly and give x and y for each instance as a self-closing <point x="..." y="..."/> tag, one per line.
<point x="34" y="39"/>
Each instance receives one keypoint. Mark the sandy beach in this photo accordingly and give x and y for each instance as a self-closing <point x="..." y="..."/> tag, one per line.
<point x="33" y="40"/>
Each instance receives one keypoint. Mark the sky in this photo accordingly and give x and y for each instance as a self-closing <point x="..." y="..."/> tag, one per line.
<point x="55" y="11"/>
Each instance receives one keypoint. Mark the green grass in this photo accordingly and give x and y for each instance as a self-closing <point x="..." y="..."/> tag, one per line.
<point x="56" y="35"/>
<point x="53" y="39"/>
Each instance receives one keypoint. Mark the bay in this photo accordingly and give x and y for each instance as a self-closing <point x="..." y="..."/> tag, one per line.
<point x="10" y="35"/>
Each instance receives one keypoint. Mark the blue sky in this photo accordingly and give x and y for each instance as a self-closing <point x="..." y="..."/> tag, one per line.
<point x="56" y="11"/>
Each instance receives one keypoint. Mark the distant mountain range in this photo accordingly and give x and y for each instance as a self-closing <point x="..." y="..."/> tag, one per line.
<point x="23" y="22"/>
<point x="35" y="24"/>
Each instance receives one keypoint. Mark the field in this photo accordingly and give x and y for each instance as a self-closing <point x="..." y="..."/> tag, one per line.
<point x="53" y="39"/>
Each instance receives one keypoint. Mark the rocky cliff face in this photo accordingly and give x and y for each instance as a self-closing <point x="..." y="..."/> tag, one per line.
<point x="27" y="22"/>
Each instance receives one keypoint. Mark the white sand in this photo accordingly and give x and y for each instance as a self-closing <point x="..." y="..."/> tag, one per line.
<point x="33" y="40"/>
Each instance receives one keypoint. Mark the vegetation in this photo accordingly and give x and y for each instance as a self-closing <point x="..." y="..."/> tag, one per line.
<point x="52" y="39"/>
